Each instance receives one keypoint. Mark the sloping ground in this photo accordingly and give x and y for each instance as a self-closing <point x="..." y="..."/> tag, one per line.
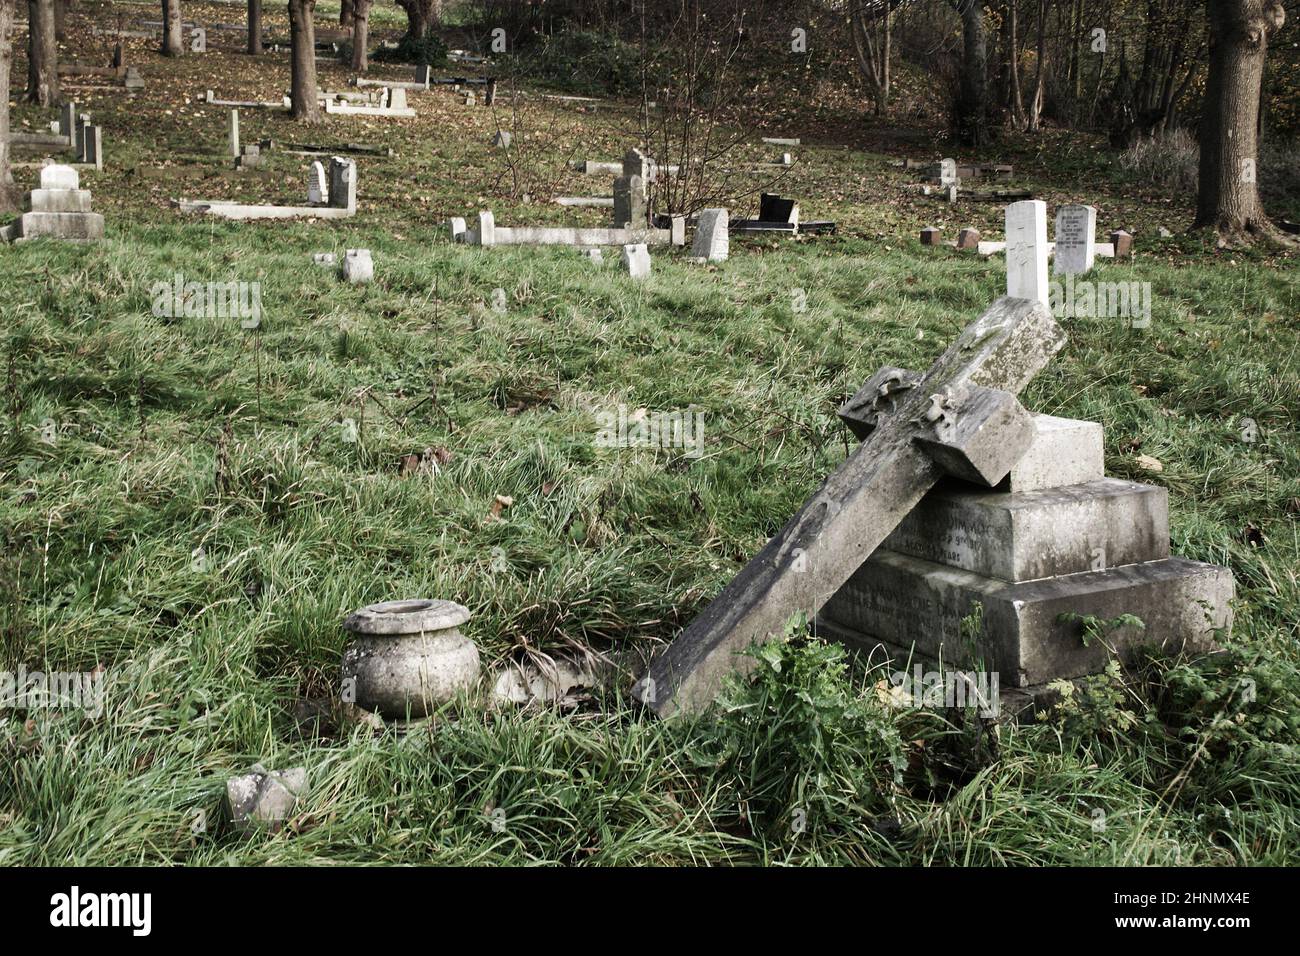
<point x="202" y="516"/>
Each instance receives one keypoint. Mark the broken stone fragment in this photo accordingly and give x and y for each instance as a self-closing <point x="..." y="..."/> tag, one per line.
<point x="264" y="799"/>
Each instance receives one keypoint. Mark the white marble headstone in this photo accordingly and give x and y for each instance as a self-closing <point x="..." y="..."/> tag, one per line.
<point x="56" y="176"/>
<point x="636" y="260"/>
<point x="1027" y="250"/>
<point x="317" y="189"/>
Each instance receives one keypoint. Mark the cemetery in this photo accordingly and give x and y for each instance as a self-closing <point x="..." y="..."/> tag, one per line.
<point x="682" y="449"/>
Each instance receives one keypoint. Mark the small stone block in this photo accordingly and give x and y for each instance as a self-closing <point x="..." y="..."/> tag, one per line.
<point x="968" y="239"/>
<point x="930" y="236"/>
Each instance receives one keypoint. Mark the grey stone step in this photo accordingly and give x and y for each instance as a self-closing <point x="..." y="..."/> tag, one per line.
<point x="913" y="604"/>
<point x="1022" y="536"/>
<point x="77" y="226"/>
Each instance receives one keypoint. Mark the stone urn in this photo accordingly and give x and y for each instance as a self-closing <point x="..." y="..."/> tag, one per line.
<point x="409" y="657"/>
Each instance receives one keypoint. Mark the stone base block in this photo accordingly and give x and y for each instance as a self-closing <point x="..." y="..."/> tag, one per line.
<point x="909" y="603"/>
<point x="72" y="226"/>
<point x="60" y="200"/>
<point x="1023" y="536"/>
<point x="1065" y="451"/>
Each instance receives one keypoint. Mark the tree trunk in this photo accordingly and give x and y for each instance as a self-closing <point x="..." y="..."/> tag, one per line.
<point x="1015" y="101"/>
<point x="8" y="193"/>
<point x="254" y="27"/>
<point x="42" y="54"/>
<point x="1228" y="196"/>
<point x="347" y="13"/>
<point x="420" y="15"/>
<point x="60" y="20"/>
<point x="172" y="41"/>
<point x="360" y="34"/>
<point x="1036" y="103"/>
<point x="302" y="88"/>
<point x="971" y="109"/>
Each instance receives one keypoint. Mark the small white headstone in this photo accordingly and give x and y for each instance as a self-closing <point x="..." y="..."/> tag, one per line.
<point x="457" y="229"/>
<point x="397" y="98"/>
<point x="1076" y="240"/>
<point x="711" y="235"/>
<point x="636" y="260"/>
<point x="323" y="258"/>
<point x="234" y="133"/>
<point x="358" y="266"/>
<point x="947" y="172"/>
<point x="56" y="176"/>
<point x="502" y="139"/>
<point x="317" y="190"/>
<point x="594" y="255"/>
<point x="1027" y="250"/>
<point x="487" y="229"/>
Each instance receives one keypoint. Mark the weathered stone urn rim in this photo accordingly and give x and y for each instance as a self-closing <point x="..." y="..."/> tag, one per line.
<point x="407" y="616"/>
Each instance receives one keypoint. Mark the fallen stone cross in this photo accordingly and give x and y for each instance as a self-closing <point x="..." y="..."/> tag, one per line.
<point x="961" y="416"/>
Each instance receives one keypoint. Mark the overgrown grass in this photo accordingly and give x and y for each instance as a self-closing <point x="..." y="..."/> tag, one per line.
<point x="201" y="518"/>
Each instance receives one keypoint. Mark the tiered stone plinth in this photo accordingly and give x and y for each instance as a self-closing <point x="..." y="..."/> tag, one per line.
<point x="1060" y="540"/>
<point x="60" y="209"/>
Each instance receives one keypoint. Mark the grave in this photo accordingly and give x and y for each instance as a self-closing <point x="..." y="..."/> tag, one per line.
<point x="132" y="80"/>
<point x="1027" y="250"/>
<point x="317" y="186"/>
<point x="1055" y="539"/>
<point x="957" y="496"/>
<point x="59" y="209"/>
<point x="1076" y="240"/>
<point x="341" y="192"/>
<point x="233" y="134"/>
<point x="490" y="234"/>
<point x="776" y="214"/>
<point x="712" y="239"/>
<point x="358" y="266"/>
<point x="392" y="104"/>
<point x="502" y="139"/>
<point x="630" y="193"/>
<point x="968" y="238"/>
<point x="636" y="260"/>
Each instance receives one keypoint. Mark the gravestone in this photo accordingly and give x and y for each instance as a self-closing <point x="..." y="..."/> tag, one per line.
<point x="68" y="120"/>
<point x="1122" y="242"/>
<point x="79" y="137"/>
<point x="60" y="209"/>
<point x="773" y="208"/>
<point x="948" y="173"/>
<point x="457" y="227"/>
<point x="502" y="139"/>
<point x="234" y="134"/>
<point x="93" y="147"/>
<point x="1027" y="250"/>
<point x="712" y="241"/>
<point x="133" y="80"/>
<point x="358" y="266"/>
<point x="629" y="202"/>
<point x="636" y="260"/>
<point x="422" y="74"/>
<point x="487" y="227"/>
<point x="343" y="183"/>
<point x="961" y="416"/>
<point x="968" y="239"/>
<point x="1055" y="541"/>
<point x="317" y="188"/>
<point x="250" y="156"/>
<point x="396" y="98"/>
<point x="1076" y="240"/>
<point x="594" y="255"/>
<point x="930" y="236"/>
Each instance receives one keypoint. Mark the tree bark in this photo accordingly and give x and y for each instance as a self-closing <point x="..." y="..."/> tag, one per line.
<point x="420" y="15"/>
<point x="254" y="27"/>
<point x="302" y="89"/>
<point x="360" y="34"/>
<point x="173" y="43"/>
<point x="42" y="54"/>
<point x="1036" y="102"/>
<point x="8" y="193"/>
<point x="347" y="13"/>
<point x="1228" y="196"/>
<point x="971" y="109"/>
